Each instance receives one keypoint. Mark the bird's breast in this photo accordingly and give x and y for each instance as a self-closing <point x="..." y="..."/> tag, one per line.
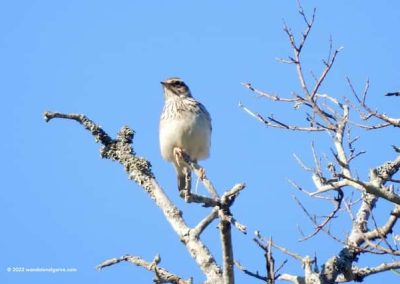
<point x="190" y="131"/>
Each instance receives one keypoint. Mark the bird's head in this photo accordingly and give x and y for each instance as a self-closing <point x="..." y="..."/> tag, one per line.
<point x="175" y="87"/>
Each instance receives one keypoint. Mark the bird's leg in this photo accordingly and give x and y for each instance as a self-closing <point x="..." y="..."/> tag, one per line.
<point x="182" y="157"/>
<point x="178" y="153"/>
<point x="202" y="173"/>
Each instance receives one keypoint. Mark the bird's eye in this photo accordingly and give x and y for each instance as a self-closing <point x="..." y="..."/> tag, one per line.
<point x="177" y="83"/>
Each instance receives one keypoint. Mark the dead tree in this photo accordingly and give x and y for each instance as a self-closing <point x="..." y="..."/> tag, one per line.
<point x="334" y="178"/>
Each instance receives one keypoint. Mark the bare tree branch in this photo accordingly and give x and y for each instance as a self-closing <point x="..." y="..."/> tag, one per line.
<point x="386" y="228"/>
<point x="292" y="278"/>
<point x="327" y="219"/>
<point x="360" y="273"/>
<point x="203" y="224"/>
<point x="162" y="275"/>
<point x="273" y="97"/>
<point x="369" y="112"/>
<point x="139" y="170"/>
<point x="250" y="273"/>
<point x="227" y="248"/>
<point x="271" y="122"/>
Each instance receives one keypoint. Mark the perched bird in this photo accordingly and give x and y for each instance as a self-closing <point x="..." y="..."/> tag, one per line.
<point x="185" y="126"/>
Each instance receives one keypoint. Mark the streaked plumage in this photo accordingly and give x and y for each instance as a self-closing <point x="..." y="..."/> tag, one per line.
<point x="185" y="123"/>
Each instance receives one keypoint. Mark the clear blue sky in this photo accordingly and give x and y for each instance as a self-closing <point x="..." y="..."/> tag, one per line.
<point x="62" y="206"/>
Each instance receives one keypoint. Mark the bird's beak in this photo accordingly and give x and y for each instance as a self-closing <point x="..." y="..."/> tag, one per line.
<point x="165" y="85"/>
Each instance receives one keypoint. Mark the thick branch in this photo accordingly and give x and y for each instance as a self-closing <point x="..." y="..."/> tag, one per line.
<point x="342" y="263"/>
<point x="360" y="273"/>
<point x="292" y="278"/>
<point x="203" y="224"/>
<point x="227" y="248"/>
<point x="139" y="170"/>
<point x="387" y="228"/>
<point x="225" y="217"/>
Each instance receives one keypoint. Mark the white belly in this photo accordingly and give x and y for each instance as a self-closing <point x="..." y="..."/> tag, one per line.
<point x="192" y="134"/>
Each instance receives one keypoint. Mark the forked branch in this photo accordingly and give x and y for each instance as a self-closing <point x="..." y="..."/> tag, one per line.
<point x="161" y="274"/>
<point x="139" y="170"/>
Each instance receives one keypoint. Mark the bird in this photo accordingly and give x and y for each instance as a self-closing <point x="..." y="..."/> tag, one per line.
<point x="185" y="128"/>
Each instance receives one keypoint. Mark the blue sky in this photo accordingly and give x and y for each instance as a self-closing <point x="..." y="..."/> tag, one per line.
<point x="62" y="206"/>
